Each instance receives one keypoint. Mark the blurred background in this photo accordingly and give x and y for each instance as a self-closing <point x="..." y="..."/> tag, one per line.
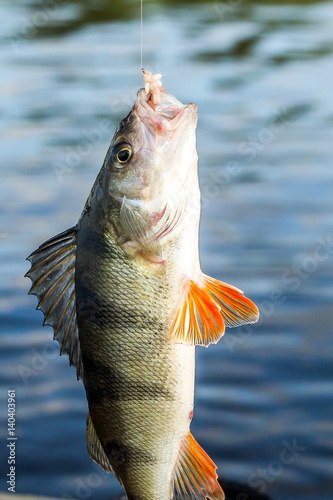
<point x="261" y="74"/>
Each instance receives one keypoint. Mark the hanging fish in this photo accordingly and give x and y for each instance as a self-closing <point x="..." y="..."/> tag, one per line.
<point x="128" y="302"/>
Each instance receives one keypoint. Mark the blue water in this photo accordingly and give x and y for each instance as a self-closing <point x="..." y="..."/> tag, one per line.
<point x="261" y="75"/>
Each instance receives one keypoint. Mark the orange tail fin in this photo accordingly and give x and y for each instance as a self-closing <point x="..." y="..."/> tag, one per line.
<point x="195" y="473"/>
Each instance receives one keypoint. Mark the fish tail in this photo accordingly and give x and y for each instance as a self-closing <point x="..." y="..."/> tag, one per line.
<point x="195" y="473"/>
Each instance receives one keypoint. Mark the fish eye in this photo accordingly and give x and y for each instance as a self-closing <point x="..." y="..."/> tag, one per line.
<point x="121" y="153"/>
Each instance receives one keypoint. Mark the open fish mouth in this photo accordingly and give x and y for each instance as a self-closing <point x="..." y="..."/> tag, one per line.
<point x="165" y="116"/>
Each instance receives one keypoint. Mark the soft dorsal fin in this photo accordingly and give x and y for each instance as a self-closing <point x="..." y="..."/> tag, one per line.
<point x="207" y="308"/>
<point x="195" y="475"/>
<point x="95" y="448"/>
<point x="52" y="274"/>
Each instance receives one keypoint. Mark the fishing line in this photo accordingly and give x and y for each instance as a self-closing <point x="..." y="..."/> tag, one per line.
<point x="141" y="30"/>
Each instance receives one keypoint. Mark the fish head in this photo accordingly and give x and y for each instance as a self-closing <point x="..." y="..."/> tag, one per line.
<point x="152" y="158"/>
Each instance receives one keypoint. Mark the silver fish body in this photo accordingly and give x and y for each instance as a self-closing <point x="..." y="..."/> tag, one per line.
<point x="137" y="380"/>
<point x="128" y="302"/>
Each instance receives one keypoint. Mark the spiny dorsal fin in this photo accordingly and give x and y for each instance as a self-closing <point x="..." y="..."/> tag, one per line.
<point x="206" y="310"/>
<point x="52" y="274"/>
<point x="95" y="449"/>
<point x="195" y="475"/>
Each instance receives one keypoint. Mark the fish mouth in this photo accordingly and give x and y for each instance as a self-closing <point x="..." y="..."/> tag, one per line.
<point x="167" y="116"/>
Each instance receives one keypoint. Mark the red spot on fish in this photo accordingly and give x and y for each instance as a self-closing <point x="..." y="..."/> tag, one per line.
<point x="190" y="415"/>
<point x="160" y="127"/>
<point x="158" y="216"/>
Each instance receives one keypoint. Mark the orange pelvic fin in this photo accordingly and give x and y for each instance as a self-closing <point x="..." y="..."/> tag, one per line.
<point x="207" y="308"/>
<point x="195" y="473"/>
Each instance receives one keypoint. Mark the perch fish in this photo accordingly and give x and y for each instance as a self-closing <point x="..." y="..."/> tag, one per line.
<point x="128" y="302"/>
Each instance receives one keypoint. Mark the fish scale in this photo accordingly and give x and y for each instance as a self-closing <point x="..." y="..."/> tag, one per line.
<point x="134" y="342"/>
<point x="125" y="295"/>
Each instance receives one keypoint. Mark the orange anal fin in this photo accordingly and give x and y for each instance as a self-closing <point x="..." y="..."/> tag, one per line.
<point x="195" y="473"/>
<point x="206" y="310"/>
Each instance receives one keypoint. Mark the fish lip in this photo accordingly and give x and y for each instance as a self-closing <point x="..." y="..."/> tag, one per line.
<point x="155" y="118"/>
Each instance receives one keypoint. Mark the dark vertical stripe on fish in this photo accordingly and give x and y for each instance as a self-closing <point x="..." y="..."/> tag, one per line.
<point x="99" y="311"/>
<point x="125" y="456"/>
<point x="108" y="384"/>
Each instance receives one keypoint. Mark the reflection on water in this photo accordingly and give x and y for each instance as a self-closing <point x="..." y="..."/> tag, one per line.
<point x="261" y="75"/>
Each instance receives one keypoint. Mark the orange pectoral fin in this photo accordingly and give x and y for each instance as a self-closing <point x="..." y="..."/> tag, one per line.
<point x="195" y="473"/>
<point x="207" y="309"/>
